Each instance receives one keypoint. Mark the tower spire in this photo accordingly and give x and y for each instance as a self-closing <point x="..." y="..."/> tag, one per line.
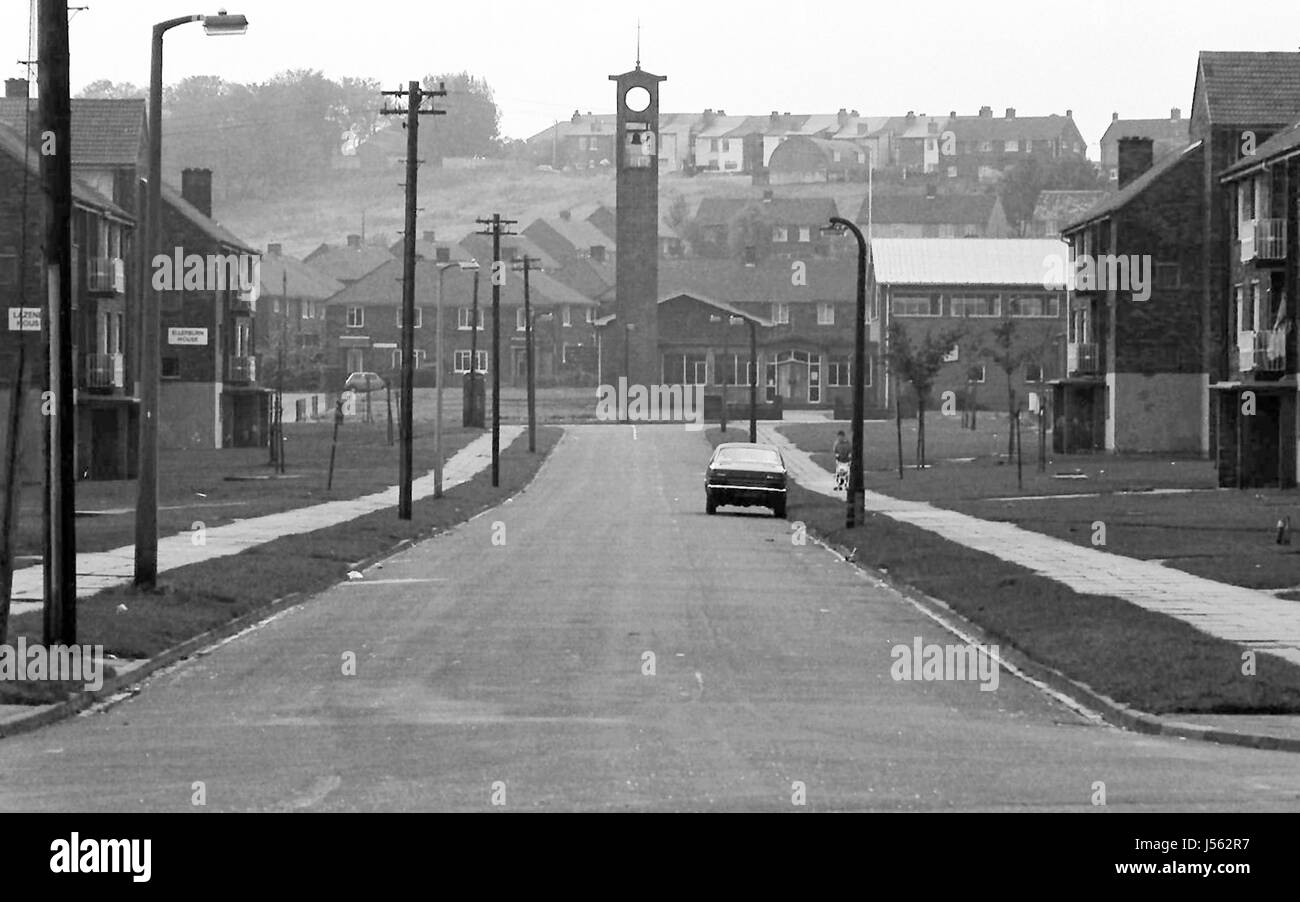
<point x="638" y="43"/>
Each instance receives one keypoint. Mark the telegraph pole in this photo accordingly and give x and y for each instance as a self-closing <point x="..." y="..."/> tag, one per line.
<point x="415" y="96"/>
<point x="60" y="622"/>
<point x="496" y="228"/>
<point x="526" y="265"/>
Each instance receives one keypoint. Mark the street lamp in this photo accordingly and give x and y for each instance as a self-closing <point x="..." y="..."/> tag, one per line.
<point x="472" y="265"/>
<point x="146" y="507"/>
<point x="855" y="500"/>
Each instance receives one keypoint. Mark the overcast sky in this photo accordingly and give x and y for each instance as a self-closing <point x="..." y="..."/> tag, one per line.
<point x="544" y="60"/>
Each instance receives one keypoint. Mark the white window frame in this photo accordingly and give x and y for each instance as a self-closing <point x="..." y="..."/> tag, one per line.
<point x="994" y="305"/>
<point x="1031" y="367"/>
<point x="934" y="302"/>
<point x="825" y="314"/>
<point x="780" y="313"/>
<point x="356" y="317"/>
<point x="419" y="358"/>
<point x="984" y="372"/>
<point x="463" y="315"/>
<point x="1051" y="303"/>
<point x="805" y="234"/>
<point x="419" y="317"/>
<point x="521" y="321"/>
<point x="780" y="234"/>
<point x="461" y="357"/>
<point x="566" y="316"/>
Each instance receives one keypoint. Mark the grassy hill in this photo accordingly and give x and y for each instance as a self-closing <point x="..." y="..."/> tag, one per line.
<point x="331" y="206"/>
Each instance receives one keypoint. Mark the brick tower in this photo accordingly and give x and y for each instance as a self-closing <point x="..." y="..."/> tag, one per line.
<point x="634" y="351"/>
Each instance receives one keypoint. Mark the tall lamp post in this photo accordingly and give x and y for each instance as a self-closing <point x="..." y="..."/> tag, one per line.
<point x="146" y="507"/>
<point x="437" y="366"/>
<point x="855" y="507"/>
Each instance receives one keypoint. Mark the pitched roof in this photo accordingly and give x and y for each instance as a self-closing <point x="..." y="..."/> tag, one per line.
<point x="347" y="263"/>
<point x="1119" y="199"/>
<point x="718" y="211"/>
<point x="11" y="143"/>
<point x="1281" y="144"/>
<point x="289" y="276"/>
<point x="918" y="209"/>
<point x="590" y="279"/>
<point x="1061" y="206"/>
<point x="1156" y="129"/>
<point x="578" y="234"/>
<point x="480" y="248"/>
<point x="1245" y="88"/>
<point x="429" y="250"/>
<point x="206" y="224"/>
<point x="964" y="261"/>
<point x="105" y="131"/>
<point x="731" y="281"/>
<point x="1018" y="128"/>
<point x="382" y="287"/>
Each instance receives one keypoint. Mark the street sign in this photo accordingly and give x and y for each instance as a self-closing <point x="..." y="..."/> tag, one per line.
<point x="187" y="336"/>
<point x="24" y="319"/>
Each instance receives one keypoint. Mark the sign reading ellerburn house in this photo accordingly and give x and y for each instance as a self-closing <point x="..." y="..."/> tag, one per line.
<point x="187" y="336"/>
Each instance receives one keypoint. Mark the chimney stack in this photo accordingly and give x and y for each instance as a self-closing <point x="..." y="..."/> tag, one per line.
<point x="274" y="250"/>
<point x="1011" y="112"/>
<point x="354" y="241"/>
<point x="1175" y="114"/>
<point x="1135" y="157"/>
<point x="16" y="87"/>
<point x="564" y="214"/>
<point x="842" y="117"/>
<point x="986" y="112"/>
<point x="196" y="187"/>
<point x="442" y="254"/>
<point x="429" y="235"/>
<point x="1114" y="117"/>
<point x="1069" y="114"/>
<point x="952" y="114"/>
<point x="597" y="253"/>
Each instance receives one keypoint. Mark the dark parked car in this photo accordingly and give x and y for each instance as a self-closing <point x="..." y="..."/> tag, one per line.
<point x="746" y="475"/>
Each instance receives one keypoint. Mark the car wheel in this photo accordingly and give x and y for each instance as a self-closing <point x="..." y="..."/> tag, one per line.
<point x="778" y="510"/>
<point x="710" y="506"/>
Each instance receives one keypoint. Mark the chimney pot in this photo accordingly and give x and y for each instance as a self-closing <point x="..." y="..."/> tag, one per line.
<point x="952" y="114"/>
<point x="1069" y="114"/>
<point x="1114" y="117"/>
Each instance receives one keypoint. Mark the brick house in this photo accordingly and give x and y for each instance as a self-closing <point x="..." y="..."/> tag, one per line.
<point x="1134" y="378"/>
<point x="1257" y="400"/>
<point x="210" y="396"/>
<point x="802" y="159"/>
<point x="348" y="262"/>
<point x="794" y="224"/>
<point x="363" y="325"/>
<point x="1167" y="136"/>
<point x="291" y="317"/>
<point x="986" y="143"/>
<point x="934" y="215"/>
<point x="564" y="238"/>
<point x="103" y="240"/>
<point x="932" y="284"/>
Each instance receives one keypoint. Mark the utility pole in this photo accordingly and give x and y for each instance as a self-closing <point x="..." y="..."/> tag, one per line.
<point x="496" y="228"/>
<point x="60" y="622"/>
<point x="279" y="394"/>
<point x="415" y="96"/>
<point x="525" y="265"/>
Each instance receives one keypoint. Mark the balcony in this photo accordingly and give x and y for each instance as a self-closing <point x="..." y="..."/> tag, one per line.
<point x="106" y="275"/>
<point x="1262" y="351"/>
<point x="1263" y="240"/>
<point x="104" y="371"/>
<point x="241" y="369"/>
<point x="244" y="301"/>
<point x="1081" y="359"/>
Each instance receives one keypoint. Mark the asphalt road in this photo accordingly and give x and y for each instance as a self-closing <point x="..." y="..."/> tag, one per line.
<point x="504" y="662"/>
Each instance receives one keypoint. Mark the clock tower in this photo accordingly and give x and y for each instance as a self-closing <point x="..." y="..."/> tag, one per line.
<point x="635" y="352"/>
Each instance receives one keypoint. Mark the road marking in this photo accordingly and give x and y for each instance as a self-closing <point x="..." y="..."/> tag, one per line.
<point x="634" y="432"/>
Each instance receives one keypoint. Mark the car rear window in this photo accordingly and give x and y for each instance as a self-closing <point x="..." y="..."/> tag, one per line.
<point x="747" y="456"/>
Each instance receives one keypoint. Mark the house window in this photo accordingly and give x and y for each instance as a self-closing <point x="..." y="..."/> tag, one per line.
<point x="356" y="360"/>
<point x="1168" y="275"/>
<point x="839" y="372"/>
<point x="461" y="361"/>
<point x="781" y="314"/>
<point x="917" y="305"/>
<point x="780" y="233"/>
<point x="275" y="305"/>
<point x="307" y="309"/>
<point x="835" y="156"/>
<point x="713" y="145"/>
<point x="674" y="369"/>
<point x="566" y="316"/>
<point x="987" y="305"/>
<point x="825" y="314"/>
<point x="397" y="359"/>
<point x="1035" y="306"/>
<point x="171" y="368"/>
<point x="1013" y="146"/>
<point x="947" y="230"/>
<point x="419" y="358"/>
<point x="976" y="374"/>
<point x="356" y="317"/>
<point x="1242" y="313"/>
<point x="521" y="321"/>
<point x="1033" y="372"/>
<point x="463" y="315"/>
<point x="805" y="233"/>
<point x="726" y="145"/>
<point x="419" y="317"/>
<point x="590" y="314"/>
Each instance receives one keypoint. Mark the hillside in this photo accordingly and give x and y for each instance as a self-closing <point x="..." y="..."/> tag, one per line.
<point x="331" y="207"/>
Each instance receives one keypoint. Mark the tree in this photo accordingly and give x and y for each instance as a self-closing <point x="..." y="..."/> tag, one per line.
<point x="1030" y="176"/>
<point x="749" y="228"/>
<point x="1008" y="354"/>
<point x="472" y="126"/>
<point x="104" y="88"/>
<point x="919" y="365"/>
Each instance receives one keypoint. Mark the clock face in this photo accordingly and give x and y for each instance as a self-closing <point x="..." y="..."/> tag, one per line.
<point x="637" y="99"/>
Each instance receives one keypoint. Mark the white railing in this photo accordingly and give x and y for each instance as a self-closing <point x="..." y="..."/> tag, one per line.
<point x="105" y="371"/>
<point x="104" y="274"/>
<point x="1263" y="239"/>
<point x="1081" y="357"/>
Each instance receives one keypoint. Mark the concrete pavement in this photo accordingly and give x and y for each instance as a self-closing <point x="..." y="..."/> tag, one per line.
<point x="101" y="570"/>
<point x="600" y="643"/>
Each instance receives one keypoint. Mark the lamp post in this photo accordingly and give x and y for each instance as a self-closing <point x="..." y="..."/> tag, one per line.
<point x="146" y="507"/>
<point x="627" y="372"/>
<point x="855" y="513"/>
<point x="437" y="366"/>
